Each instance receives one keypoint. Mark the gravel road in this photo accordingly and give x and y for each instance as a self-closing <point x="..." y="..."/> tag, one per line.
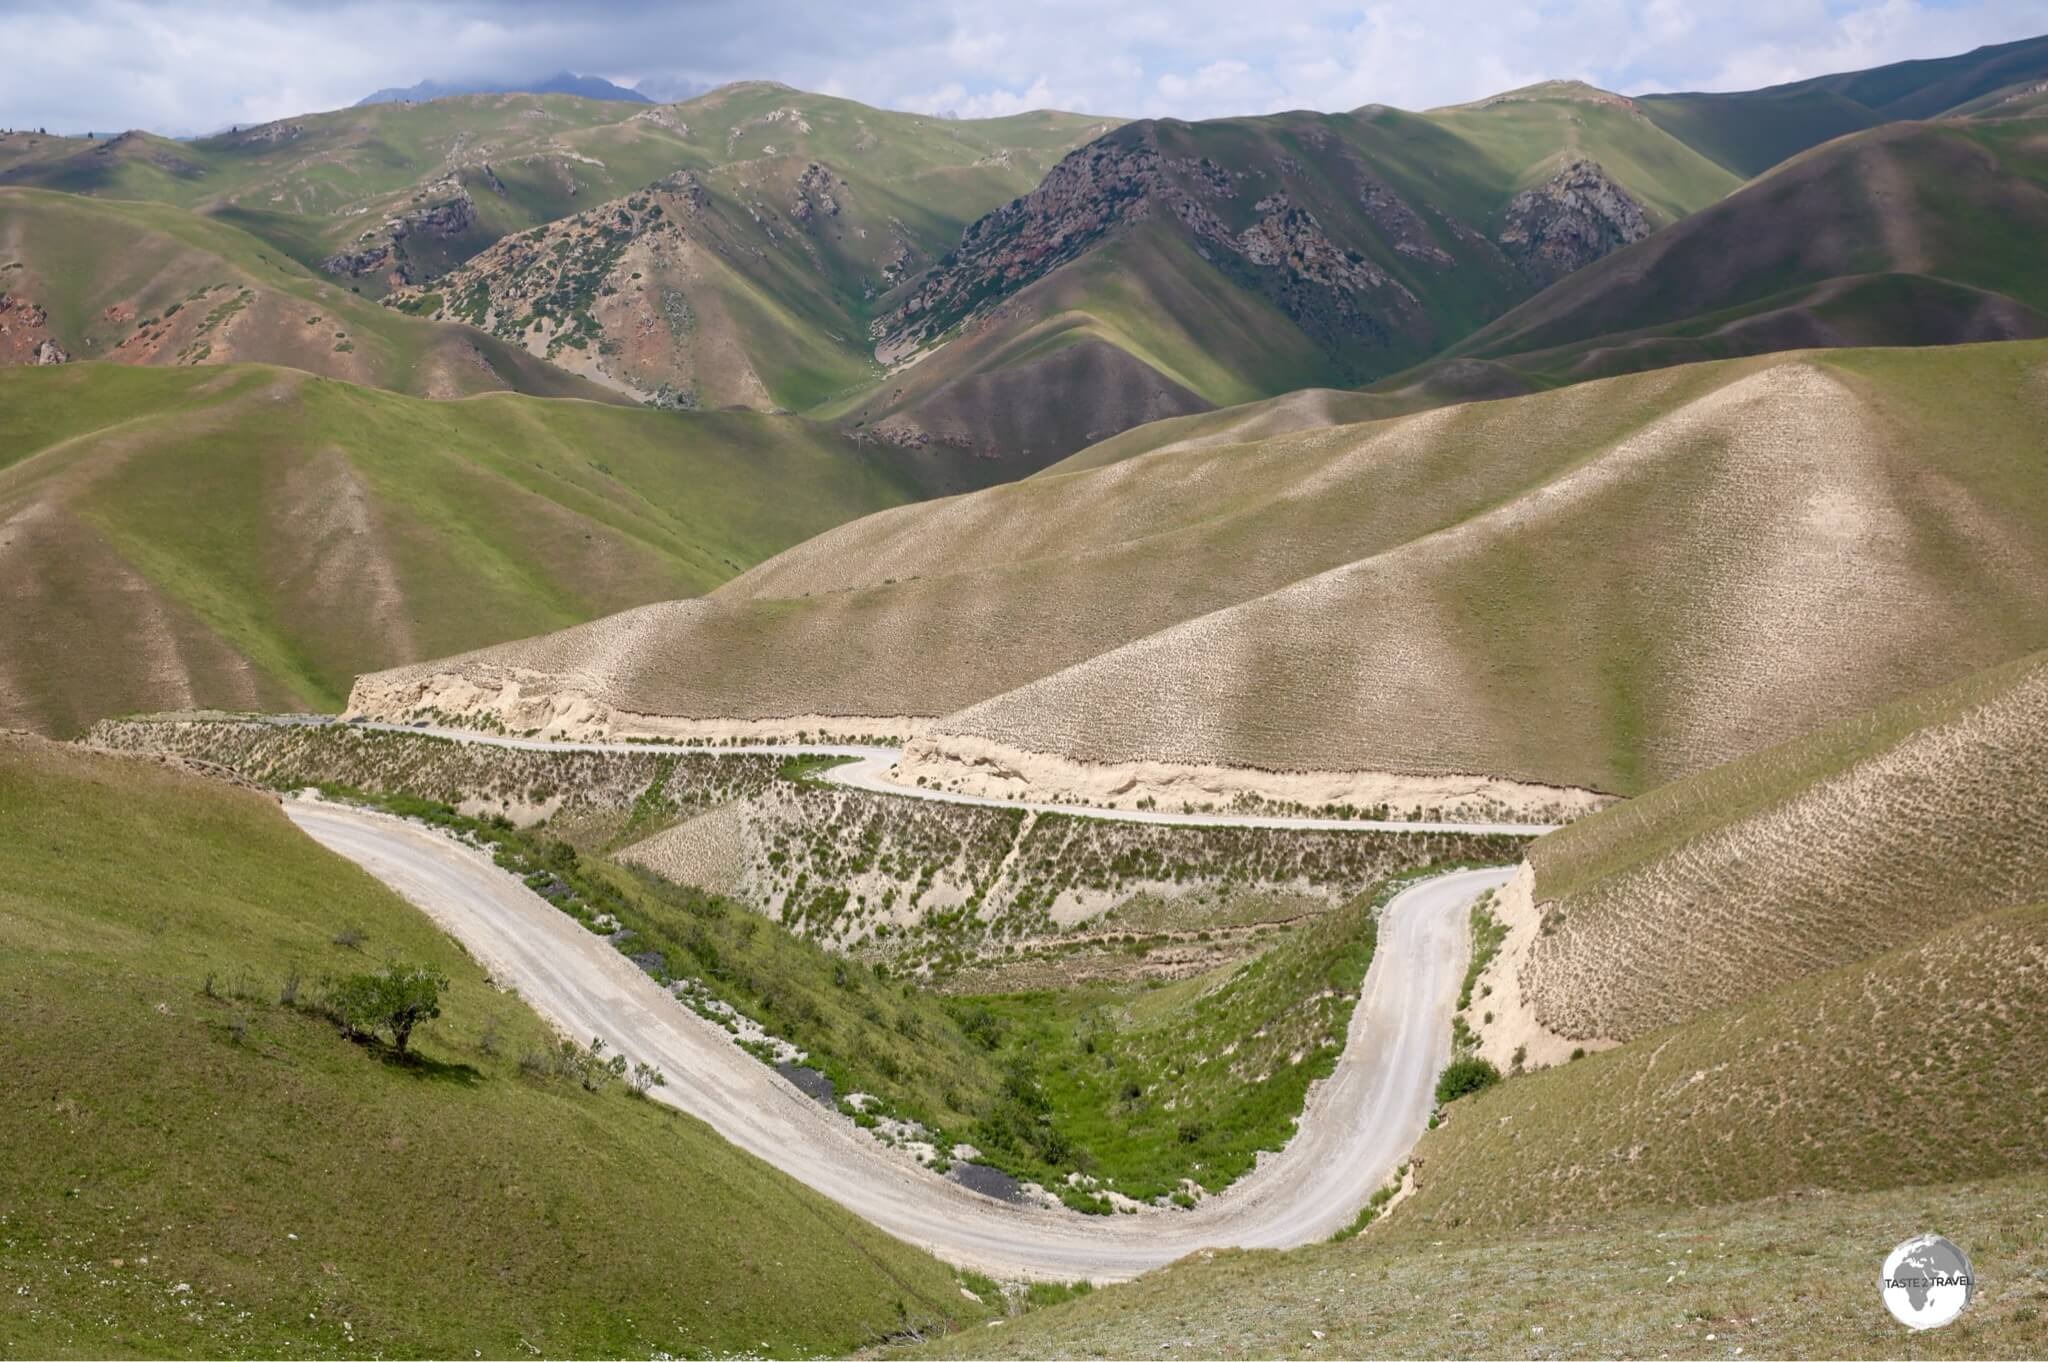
<point x="871" y="767"/>
<point x="1358" y="1127"/>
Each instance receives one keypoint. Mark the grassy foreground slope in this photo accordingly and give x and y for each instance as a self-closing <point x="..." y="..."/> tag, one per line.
<point x="1603" y="587"/>
<point x="1790" y="1276"/>
<point x="151" y="284"/>
<point x="1818" y="1084"/>
<point x="1859" y="837"/>
<point x="254" y="537"/>
<point x="185" y="1172"/>
<point x="1911" y="234"/>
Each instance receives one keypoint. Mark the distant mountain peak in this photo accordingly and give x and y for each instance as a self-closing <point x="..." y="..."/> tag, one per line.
<point x="560" y="83"/>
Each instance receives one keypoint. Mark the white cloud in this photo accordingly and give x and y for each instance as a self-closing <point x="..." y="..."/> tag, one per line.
<point x="202" y="64"/>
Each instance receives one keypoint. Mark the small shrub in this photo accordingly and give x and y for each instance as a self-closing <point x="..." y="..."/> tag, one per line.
<point x="1462" y="1076"/>
<point x="288" y="991"/>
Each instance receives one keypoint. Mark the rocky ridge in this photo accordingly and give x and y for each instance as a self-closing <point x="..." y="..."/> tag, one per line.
<point x="1566" y="223"/>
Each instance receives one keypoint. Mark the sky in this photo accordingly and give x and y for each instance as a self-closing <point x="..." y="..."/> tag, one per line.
<point x="203" y="65"/>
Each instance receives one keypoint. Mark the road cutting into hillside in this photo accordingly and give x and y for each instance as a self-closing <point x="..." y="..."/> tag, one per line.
<point x="869" y="769"/>
<point x="1356" y="1129"/>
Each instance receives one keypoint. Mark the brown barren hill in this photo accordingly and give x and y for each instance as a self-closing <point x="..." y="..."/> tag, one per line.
<point x="1600" y="588"/>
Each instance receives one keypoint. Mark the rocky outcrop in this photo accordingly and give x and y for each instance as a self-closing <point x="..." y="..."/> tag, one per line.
<point x="383" y="247"/>
<point x="24" y="334"/>
<point x="1093" y="190"/>
<point x="815" y="194"/>
<point x="1334" y="293"/>
<point x="1398" y="222"/>
<point x="267" y="134"/>
<point x="1568" y="222"/>
<point x="539" y="286"/>
<point x="356" y="264"/>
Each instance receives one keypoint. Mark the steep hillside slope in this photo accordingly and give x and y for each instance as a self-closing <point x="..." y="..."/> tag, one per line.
<point x="1752" y="130"/>
<point x="1706" y="1108"/>
<point x="1809" y="537"/>
<point x="798" y="213"/>
<point x="1601" y="588"/>
<point x="432" y="183"/>
<point x="749" y="272"/>
<point x="1863" y="836"/>
<point x="140" y="283"/>
<point x="1225" y="261"/>
<point x="1913" y="234"/>
<point x="167" y="941"/>
<point x="255" y="537"/>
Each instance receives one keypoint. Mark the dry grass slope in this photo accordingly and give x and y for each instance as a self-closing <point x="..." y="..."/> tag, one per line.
<point x="1862" y="837"/>
<point x="1603" y="587"/>
<point x="1835" y="1081"/>
<point x="1802" y="539"/>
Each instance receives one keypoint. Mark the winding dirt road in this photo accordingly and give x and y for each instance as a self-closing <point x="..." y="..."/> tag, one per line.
<point x="1358" y="1126"/>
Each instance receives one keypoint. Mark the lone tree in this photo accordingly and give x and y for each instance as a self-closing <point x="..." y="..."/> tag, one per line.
<point x="393" y="1000"/>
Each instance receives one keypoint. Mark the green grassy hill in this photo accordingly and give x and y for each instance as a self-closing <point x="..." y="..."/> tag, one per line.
<point x="805" y="211"/>
<point x="254" y="537"/>
<point x="152" y="284"/>
<point x="1752" y="130"/>
<point x="1220" y="262"/>
<point x="313" y="183"/>
<point x="1914" y="234"/>
<point x="1604" y="587"/>
<point x="189" y="1166"/>
<point x="754" y="277"/>
<point x="1813" y="1085"/>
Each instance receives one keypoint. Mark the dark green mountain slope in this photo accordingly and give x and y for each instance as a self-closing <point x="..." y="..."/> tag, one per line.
<point x="1753" y="130"/>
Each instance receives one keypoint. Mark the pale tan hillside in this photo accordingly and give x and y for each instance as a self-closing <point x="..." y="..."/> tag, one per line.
<point x="1303" y="409"/>
<point x="1603" y="587"/>
<point x="1868" y="835"/>
<point x="1812" y="537"/>
<point x="933" y="607"/>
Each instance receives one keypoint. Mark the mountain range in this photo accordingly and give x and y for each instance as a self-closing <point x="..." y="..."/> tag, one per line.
<point x="975" y="643"/>
<point x="560" y="83"/>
